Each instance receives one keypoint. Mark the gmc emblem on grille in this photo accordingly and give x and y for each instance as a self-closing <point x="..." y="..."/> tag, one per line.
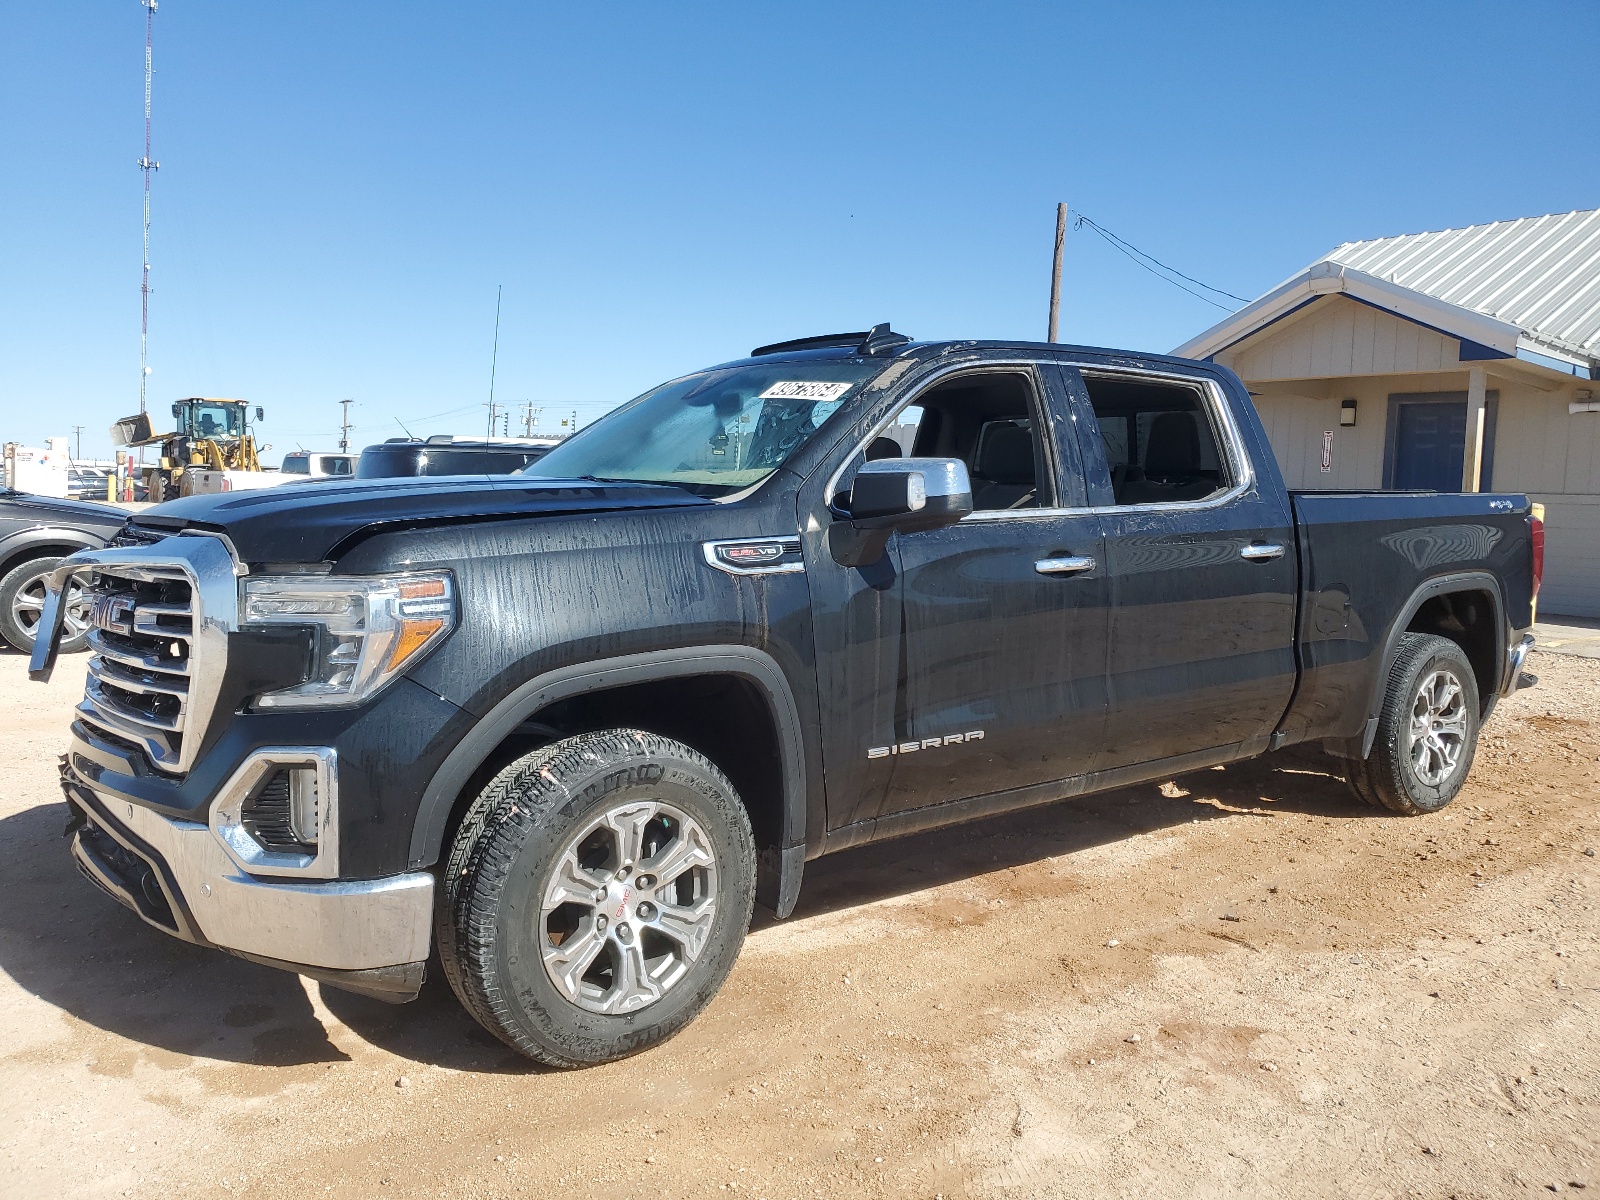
<point x="112" y="612"/>
<point x="933" y="743"/>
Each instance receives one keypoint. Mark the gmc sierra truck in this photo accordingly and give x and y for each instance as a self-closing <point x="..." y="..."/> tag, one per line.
<point x="561" y="729"/>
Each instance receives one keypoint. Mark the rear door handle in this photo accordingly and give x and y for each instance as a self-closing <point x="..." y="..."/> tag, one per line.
<point x="1064" y="566"/>
<point x="1259" y="553"/>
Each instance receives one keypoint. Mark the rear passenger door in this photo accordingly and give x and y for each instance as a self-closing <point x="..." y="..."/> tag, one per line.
<point x="1200" y="564"/>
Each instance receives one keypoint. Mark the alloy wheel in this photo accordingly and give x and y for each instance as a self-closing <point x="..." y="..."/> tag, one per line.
<point x="1438" y="728"/>
<point x="27" y="608"/>
<point x="628" y="907"/>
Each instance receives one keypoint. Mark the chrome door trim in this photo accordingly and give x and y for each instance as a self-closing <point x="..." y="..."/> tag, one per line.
<point x="1232" y="441"/>
<point x="1064" y="566"/>
<point x="1259" y="553"/>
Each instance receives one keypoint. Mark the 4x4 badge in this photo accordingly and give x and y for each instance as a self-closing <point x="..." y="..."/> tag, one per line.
<point x="933" y="743"/>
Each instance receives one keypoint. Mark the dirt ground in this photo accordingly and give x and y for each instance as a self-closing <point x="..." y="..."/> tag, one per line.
<point x="1237" y="984"/>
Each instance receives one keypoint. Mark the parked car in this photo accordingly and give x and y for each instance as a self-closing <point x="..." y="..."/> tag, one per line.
<point x="566" y="726"/>
<point x="36" y="533"/>
<point x="443" y="454"/>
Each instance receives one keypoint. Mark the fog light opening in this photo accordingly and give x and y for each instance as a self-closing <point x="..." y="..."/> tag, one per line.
<point x="305" y="809"/>
<point x="284" y="811"/>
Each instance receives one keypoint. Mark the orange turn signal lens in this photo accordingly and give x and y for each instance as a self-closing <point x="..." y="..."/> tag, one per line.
<point x="423" y="606"/>
<point x="413" y="635"/>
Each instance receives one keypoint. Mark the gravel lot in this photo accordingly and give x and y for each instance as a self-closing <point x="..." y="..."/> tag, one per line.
<point x="1237" y="983"/>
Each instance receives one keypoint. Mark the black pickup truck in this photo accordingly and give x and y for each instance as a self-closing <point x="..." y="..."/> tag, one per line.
<point x="563" y="728"/>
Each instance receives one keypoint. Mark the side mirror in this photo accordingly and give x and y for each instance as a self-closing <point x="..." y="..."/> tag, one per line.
<point x="260" y="414"/>
<point x="177" y="408"/>
<point x="905" y="494"/>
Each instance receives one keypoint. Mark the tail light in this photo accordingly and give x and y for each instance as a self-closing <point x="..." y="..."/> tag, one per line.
<point x="1538" y="552"/>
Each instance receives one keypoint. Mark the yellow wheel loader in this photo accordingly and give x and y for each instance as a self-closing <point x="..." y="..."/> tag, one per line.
<point x="211" y="434"/>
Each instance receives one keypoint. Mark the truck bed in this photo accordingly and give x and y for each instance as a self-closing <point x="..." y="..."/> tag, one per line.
<point x="1368" y="562"/>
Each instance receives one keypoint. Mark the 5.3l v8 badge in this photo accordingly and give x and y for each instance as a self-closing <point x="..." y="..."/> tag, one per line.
<point x="933" y="743"/>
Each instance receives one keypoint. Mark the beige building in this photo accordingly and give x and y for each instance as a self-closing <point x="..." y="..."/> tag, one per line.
<point x="1463" y="360"/>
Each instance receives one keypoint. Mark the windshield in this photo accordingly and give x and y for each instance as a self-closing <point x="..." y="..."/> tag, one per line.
<point x="714" y="432"/>
<point x="216" y="420"/>
<point x="296" y="464"/>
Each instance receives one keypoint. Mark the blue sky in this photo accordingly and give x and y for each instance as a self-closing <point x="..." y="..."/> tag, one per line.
<point x="660" y="187"/>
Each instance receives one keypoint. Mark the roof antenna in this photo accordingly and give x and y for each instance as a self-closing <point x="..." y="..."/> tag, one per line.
<point x="881" y="337"/>
<point x="402" y="425"/>
<point x="494" y="358"/>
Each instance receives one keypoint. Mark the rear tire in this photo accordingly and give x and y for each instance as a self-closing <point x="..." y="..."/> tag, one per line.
<point x="596" y="895"/>
<point x="1427" y="729"/>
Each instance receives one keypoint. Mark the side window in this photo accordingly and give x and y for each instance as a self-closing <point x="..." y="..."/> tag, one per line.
<point x="990" y="421"/>
<point x="1160" y="440"/>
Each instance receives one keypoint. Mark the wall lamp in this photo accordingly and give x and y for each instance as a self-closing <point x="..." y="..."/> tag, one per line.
<point x="1347" y="412"/>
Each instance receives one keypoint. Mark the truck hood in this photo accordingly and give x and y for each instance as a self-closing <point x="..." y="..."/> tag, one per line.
<point x="302" y="525"/>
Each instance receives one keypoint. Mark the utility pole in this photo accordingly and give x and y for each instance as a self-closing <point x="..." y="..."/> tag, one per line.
<point x="78" y="432"/>
<point x="344" y="425"/>
<point x="494" y="415"/>
<point x="1055" y="273"/>
<point x="147" y="165"/>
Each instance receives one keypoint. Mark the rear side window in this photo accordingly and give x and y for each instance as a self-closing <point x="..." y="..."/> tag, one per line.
<point x="1160" y="440"/>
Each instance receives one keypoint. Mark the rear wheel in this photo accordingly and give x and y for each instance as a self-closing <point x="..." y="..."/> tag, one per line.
<point x="22" y="596"/>
<point x="596" y="896"/>
<point x="1427" y="729"/>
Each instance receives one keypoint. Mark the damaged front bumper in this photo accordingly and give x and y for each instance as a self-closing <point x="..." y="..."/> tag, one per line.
<point x="368" y="936"/>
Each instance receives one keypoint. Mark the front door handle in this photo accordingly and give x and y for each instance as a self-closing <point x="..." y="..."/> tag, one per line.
<point x="1064" y="566"/>
<point x="1256" y="552"/>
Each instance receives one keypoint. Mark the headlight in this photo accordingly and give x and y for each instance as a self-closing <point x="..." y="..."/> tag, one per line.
<point x="368" y="629"/>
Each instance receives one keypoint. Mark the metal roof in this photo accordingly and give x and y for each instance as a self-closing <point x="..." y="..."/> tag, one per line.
<point x="1513" y="287"/>
<point x="1541" y="274"/>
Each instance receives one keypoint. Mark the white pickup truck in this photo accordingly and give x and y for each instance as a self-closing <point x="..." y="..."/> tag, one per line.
<point x="298" y="467"/>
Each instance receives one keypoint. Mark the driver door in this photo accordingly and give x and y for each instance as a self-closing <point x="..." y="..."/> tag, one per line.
<point x="971" y="659"/>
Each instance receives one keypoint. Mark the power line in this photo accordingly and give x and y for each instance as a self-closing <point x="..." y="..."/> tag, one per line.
<point x="1139" y="256"/>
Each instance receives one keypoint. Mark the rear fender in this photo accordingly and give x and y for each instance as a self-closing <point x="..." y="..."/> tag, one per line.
<point x="1464" y="581"/>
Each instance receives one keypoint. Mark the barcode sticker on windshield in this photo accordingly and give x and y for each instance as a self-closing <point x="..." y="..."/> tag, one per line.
<point x="799" y="390"/>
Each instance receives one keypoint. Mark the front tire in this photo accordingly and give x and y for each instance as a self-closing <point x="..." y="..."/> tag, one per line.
<point x="1427" y="729"/>
<point x="22" y="594"/>
<point x="596" y="896"/>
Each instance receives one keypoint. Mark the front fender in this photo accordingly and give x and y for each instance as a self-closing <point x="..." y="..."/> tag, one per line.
<point x="433" y="815"/>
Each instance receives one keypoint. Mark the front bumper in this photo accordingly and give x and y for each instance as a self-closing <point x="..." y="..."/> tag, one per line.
<point x="370" y="936"/>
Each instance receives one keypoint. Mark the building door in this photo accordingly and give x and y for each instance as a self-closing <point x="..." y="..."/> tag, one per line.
<point x="1426" y="447"/>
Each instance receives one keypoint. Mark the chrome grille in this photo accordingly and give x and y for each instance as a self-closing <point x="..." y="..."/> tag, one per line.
<point x="142" y="638"/>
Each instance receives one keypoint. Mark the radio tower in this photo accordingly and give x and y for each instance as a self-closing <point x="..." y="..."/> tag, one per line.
<point x="147" y="165"/>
